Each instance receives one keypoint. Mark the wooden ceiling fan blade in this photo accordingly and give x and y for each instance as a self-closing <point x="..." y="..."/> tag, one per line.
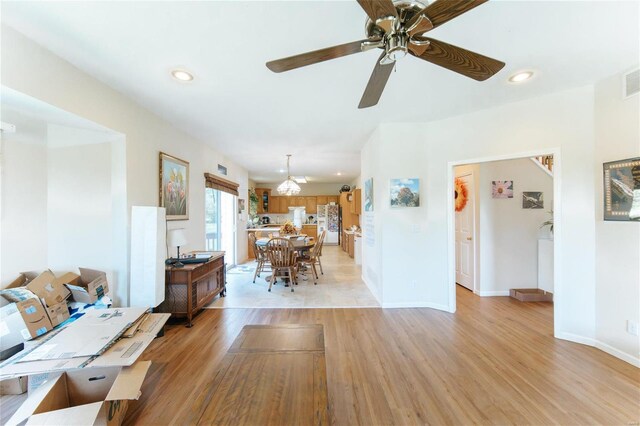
<point x="310" y="58"/>
<point x="376" y="84"/>
<point x="442" y="11"/>
<point x="457" y="59"/>
<point x="377" y="9"/>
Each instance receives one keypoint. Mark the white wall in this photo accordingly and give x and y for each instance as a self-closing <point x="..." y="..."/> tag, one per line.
<point x="416" y="240"/>
<point x="30" y="69"/>
<point x="370" y="222"/>
<point x="24" y="194"/>
<point x="617" y="270"/>
<point x="79" y="208"/>
<point x="509" y="233"/>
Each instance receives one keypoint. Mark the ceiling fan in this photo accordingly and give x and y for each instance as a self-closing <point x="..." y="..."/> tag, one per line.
<point x="398" y="27"/>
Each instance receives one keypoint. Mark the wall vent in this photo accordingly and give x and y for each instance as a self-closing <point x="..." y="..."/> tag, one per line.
<point x="631" y="83"/>
<point x="222" y="169"/>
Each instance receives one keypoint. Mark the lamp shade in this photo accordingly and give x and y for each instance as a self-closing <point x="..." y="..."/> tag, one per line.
<point x="176" y="238"/>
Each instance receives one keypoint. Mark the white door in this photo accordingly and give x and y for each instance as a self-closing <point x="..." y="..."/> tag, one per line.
<point x="465" y="230"/>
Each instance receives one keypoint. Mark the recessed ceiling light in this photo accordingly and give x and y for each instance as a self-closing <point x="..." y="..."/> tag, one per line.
<point x="281" y="171"/>
<point x="339" y="174"/>
<point x="182" y="75"/>
<point x="300" y="179"/>
<point x="521" y="76"/>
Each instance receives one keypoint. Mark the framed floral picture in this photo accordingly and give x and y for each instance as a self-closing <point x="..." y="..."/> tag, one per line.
<point x="174" y="187"/>
<point x="368" y="195"/>
<point x="502" y="189"/>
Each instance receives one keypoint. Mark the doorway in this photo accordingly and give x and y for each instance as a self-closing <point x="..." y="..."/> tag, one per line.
<point x="220" y="223"/>
<point x="465" y="220"/>
<point x="506" y="236"/>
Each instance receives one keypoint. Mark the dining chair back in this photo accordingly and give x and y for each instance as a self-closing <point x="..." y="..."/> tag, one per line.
<point x="260" y="255"/>
<point x="320" y="244"/>
<point x="282" y="256"/>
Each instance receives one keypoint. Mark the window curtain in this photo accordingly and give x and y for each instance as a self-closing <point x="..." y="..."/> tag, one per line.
<point x="218" y="183"/>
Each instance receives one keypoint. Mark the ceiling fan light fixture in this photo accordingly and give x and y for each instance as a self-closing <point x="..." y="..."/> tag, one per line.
<point x="520" y="76"/>
<point x="288" y="187"/>
<point x="182" y="75"/>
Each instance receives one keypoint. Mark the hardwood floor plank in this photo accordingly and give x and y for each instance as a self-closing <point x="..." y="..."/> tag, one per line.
<point x="494" y="361"/>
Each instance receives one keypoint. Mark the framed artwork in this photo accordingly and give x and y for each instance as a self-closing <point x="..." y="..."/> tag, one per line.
<point x="405" y="192"/>
<point x="532" y="200"/>
<point x="241" y="205"/>
<point x="174" y="187"/>
<point x="622" y="190"/>
<point x="502" y="189"/>
<point x="368" y="195"/>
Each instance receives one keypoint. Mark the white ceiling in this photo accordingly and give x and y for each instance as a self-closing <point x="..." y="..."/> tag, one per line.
<point x="256" y="117"/>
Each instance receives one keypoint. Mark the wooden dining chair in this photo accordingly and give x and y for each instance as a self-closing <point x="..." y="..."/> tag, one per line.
<point x="310" y="259"/>
<point x="282" y="256"/>
<point x="320" y="243"/>
<point x="260" y="255"/>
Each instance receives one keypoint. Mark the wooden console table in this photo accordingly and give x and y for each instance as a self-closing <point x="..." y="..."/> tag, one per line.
<point x="193" y="286"/>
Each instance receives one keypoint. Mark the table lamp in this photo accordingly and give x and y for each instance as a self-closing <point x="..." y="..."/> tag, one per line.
<point x="177" y="238"/>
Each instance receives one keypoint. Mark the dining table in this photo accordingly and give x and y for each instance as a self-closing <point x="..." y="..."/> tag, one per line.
<point x="299" y="244"/>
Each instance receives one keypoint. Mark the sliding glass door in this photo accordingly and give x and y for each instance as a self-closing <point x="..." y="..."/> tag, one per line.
<point x="220" y="223"/>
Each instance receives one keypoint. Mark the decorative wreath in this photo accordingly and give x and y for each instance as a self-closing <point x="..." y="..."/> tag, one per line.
<point x="461" y="194"/>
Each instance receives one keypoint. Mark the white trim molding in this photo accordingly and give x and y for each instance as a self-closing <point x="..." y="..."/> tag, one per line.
<point x="492" y="293"/>
<point x="635" y="361"/>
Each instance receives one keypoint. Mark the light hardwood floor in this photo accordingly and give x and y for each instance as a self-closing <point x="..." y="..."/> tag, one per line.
<point x="495" y="361"/>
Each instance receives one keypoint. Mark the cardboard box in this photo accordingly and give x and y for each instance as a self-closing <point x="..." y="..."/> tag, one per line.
<point x="530" y="295"/>
<point x="48" y="288"/>
<point x="21" y="281"/>
<point x="88" y="287"/>
<point x="88" y="396"/>
<point x="16" y="386"/>
<point x="58" y="313"/>
<point x="28" y="318"/>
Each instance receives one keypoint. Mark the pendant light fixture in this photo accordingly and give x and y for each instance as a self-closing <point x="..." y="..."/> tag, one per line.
<point x="288" y="187"/>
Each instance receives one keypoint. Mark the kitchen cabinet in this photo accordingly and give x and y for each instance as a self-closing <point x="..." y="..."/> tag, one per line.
<point x="356" y="200"/>
<point x="264" y="196"/>
<point x="311" y="204"/>
<point x="300" y="202"/>
<point x="274" y="204"/>
<point x="283" y="205"/>
<point x="310" y="231"/>
<point x="332" y="199"/>
<point x="321" y="200"/>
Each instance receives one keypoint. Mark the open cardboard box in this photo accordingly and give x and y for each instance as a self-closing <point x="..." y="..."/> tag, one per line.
<point x="88" y="287"/>
<point x="25" y="320"/>
<point x="47" y="287"/>
<point x="90" y="396"/>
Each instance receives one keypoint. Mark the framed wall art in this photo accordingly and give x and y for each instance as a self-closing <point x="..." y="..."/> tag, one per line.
<point x="405" y="192"/>
<point x="622" y="190"/>
<point x="174" y="187"/>
<point x="532" y="200"/>
<point x="502" y="189"/>
<point x="368" y="195"/>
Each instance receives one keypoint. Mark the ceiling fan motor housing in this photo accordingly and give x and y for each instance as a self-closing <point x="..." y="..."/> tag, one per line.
<point x="394" y="40"/>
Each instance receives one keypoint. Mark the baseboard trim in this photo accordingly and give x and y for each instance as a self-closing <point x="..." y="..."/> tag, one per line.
<point x="431" y="305"/>
<point x="618" y="353"/>
<point x="493" y="293"/>
<point x="635" y="361"/>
